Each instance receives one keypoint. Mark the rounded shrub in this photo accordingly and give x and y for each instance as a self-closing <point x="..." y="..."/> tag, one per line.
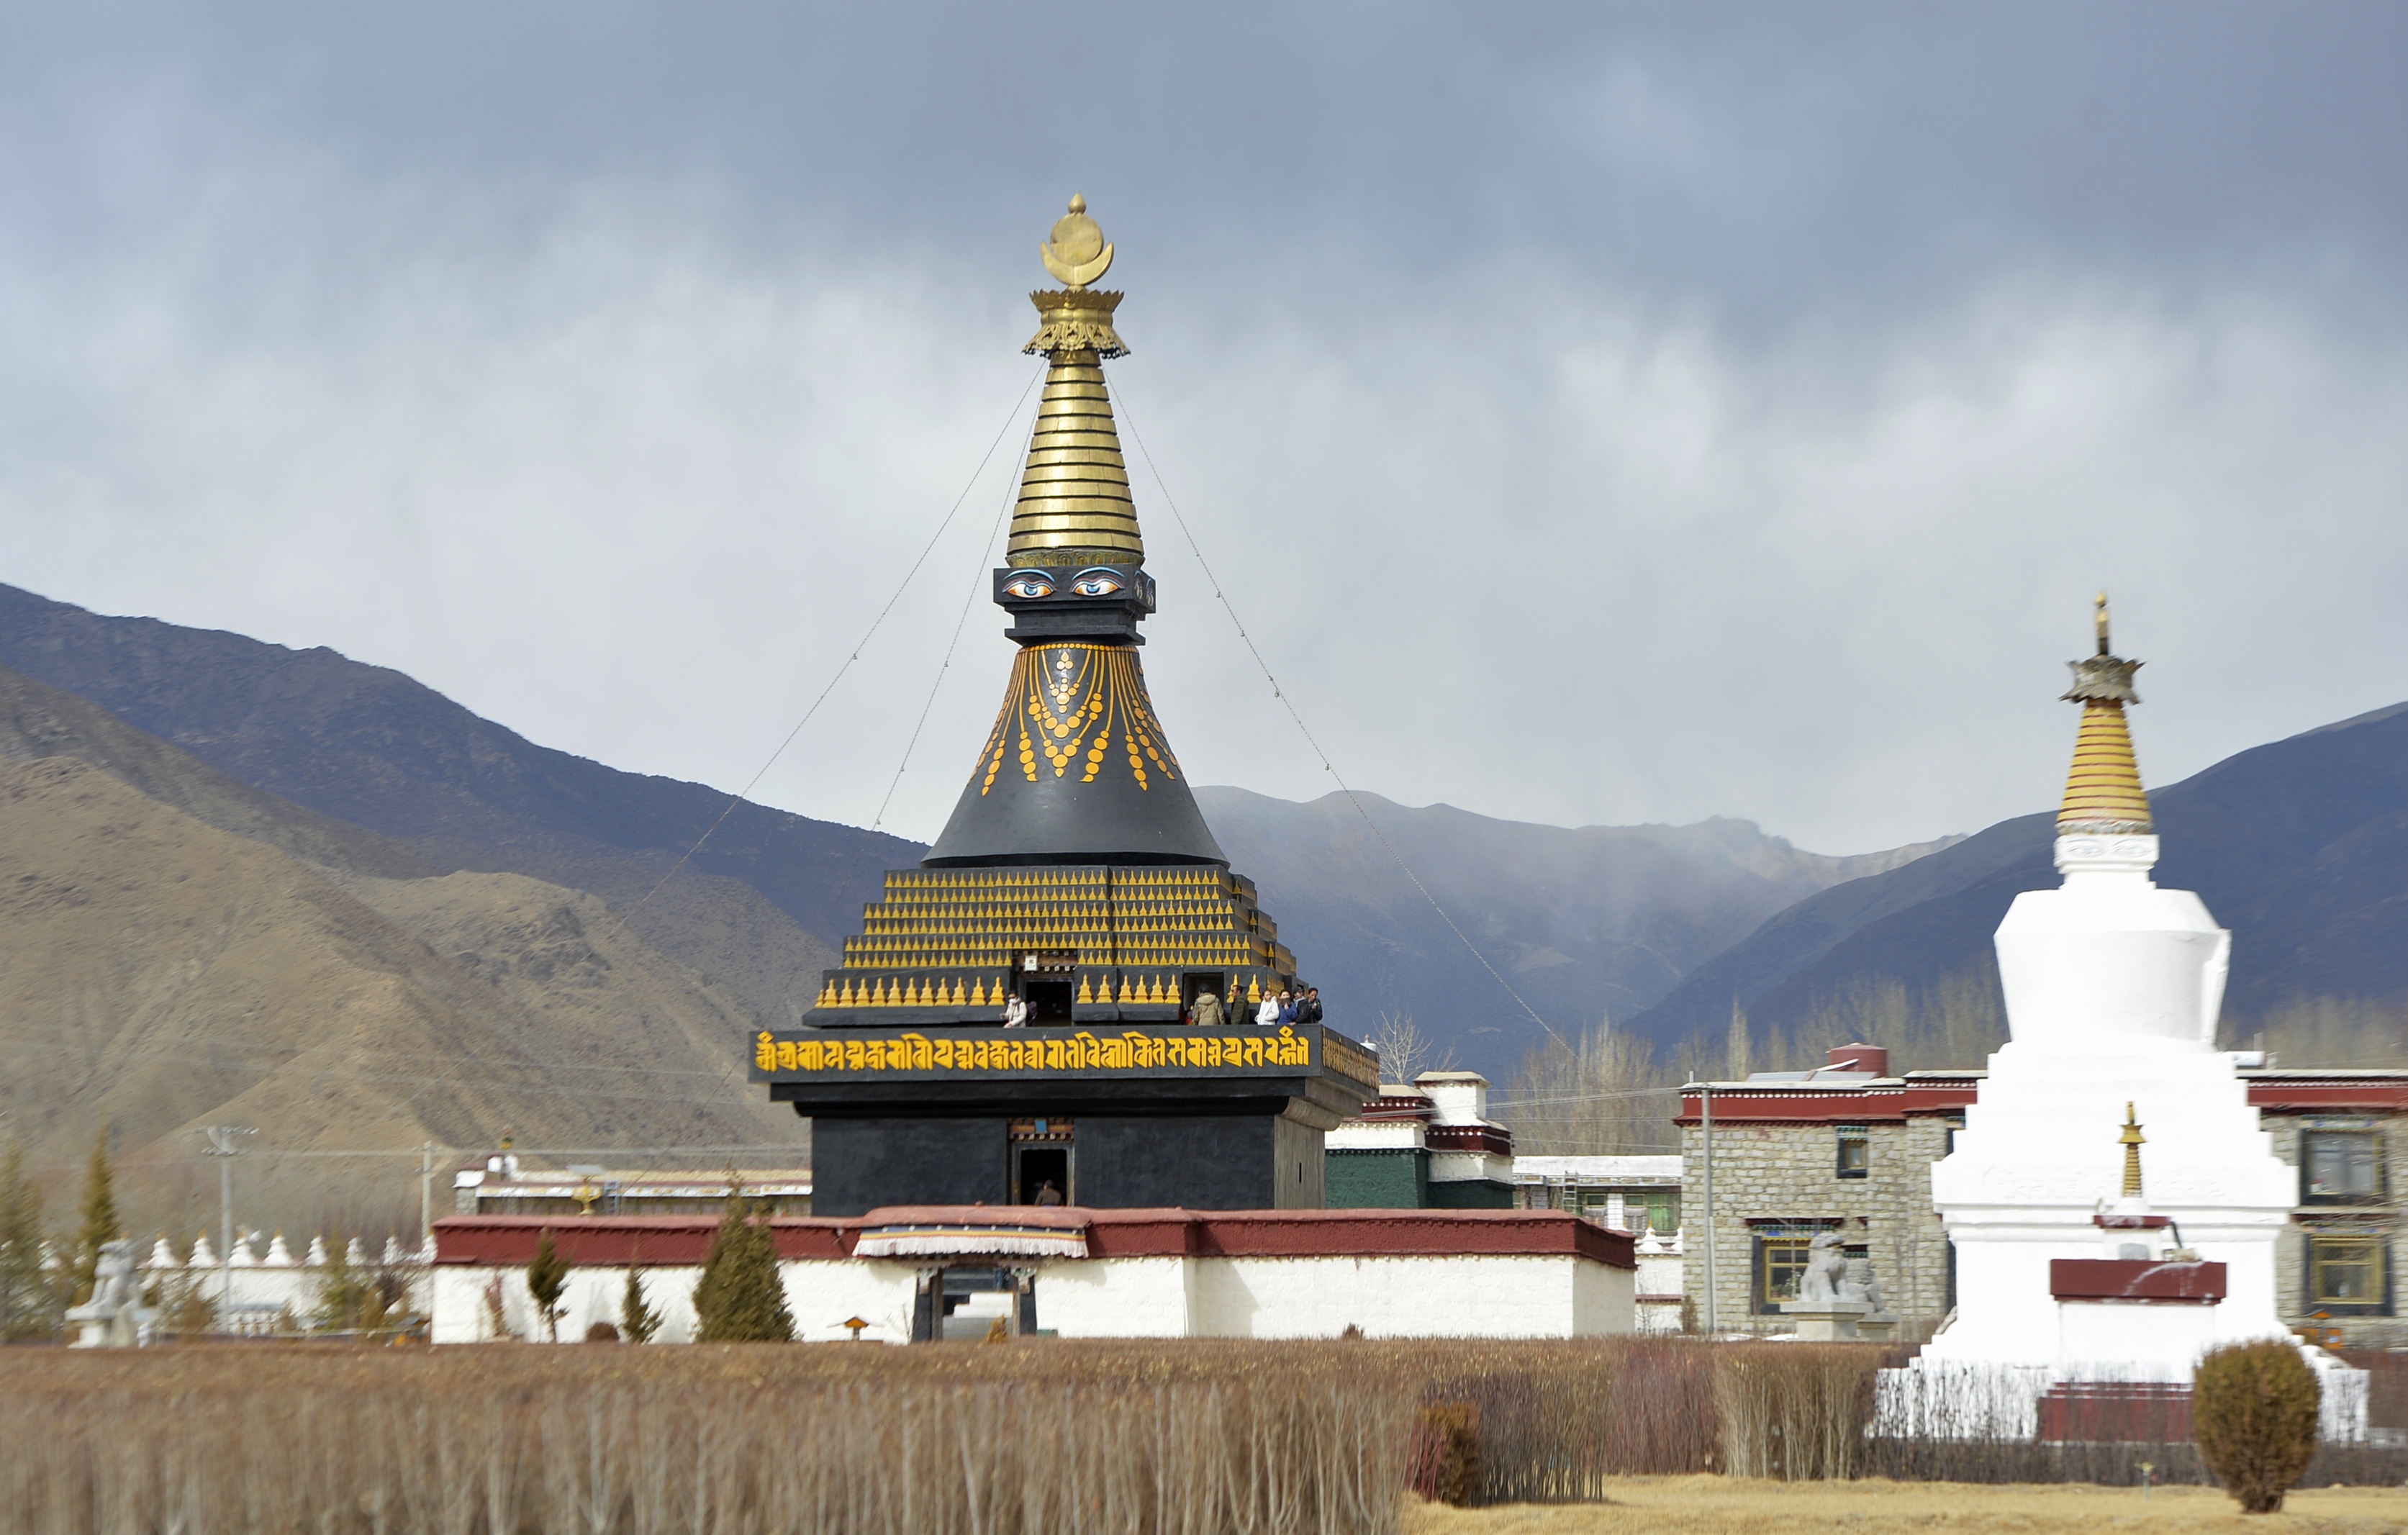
<point x="2253" y="1414"/>
<point x="1444" y="1465"/>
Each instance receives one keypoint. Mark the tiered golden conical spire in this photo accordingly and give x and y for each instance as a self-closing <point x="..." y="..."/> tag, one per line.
<point x="1074" y="504"/>
<point x="2102" y="793"/>
<point x="2131" y="1140"/>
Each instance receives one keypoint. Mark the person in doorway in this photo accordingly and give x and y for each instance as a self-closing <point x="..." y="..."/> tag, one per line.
<point x="1307" y="1010"/>
<point x="1205" y="1012"/>
<point x="1015" y="1012"/>
<point x="1267" y="1015"/>
<point x="1047" y="1193"/>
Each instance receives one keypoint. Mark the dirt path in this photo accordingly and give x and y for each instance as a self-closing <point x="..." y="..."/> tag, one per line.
<point x="1713" y="1505"/>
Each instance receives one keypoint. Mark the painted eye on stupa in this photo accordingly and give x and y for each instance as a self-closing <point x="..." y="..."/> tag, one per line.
<point x="1028" y="587"/>
<point x="1095" y="583"/>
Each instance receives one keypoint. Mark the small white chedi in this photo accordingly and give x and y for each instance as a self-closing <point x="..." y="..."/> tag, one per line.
<point x="2114" y="988"/>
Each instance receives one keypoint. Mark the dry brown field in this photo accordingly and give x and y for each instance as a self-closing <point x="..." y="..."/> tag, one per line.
<point x="1717" y="1506"/>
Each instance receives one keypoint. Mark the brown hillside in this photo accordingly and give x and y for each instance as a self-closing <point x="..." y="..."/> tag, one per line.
<point x="719" y="926"/>
<point x="159" y="973"/>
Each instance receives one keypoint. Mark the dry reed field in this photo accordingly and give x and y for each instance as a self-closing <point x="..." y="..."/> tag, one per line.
<point x="1715" y="1505"/>
<point x="1140" y="1438"/>
<point x="1071" y="1438"/>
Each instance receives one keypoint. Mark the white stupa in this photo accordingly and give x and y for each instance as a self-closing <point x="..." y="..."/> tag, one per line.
<point x="2073" y="1265"/>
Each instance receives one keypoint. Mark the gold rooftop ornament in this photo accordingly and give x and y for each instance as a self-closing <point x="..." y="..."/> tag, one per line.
<point x="1077" y="254"/>
<point x="2103" y="796"/>
<point x="2131" y="1140"/>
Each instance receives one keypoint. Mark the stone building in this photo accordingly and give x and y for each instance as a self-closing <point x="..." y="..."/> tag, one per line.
<point x="1846" y="1148"/>
<point x="1850" y="1148"/>
<point x="2344" y="1134"/>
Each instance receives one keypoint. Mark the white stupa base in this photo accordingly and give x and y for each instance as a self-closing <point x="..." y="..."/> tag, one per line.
<point x="2112" y="991"/>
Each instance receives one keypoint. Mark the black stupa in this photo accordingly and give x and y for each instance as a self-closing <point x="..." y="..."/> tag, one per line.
<point x="1077" y="869"/>
<point x="1077" y="875"/>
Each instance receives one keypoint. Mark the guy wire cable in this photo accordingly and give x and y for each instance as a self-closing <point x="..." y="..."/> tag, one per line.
<point x="863" y="643"/>
<point x="861" y="848"/>
<point x="621" y="919"/>
<point x="1286" y="703"/>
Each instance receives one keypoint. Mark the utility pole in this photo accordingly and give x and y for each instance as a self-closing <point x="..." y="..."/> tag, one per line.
<point x="223" y="1146"/>
<point x="426" y="1199"/>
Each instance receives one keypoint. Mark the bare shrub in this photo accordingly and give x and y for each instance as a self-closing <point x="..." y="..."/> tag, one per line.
<point x="1795" y="1411"/>
<point x="1445" y="1464"/>
<point x="2254" y="1406"/>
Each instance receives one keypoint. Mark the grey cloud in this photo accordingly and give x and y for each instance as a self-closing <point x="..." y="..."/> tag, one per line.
<point x="1599" y="416"/>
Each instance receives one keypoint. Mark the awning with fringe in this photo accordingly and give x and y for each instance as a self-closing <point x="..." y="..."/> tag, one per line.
<point x="963" y="1239"/>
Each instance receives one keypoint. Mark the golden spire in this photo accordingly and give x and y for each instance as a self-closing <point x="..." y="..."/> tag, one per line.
<point x="2131" y="1140"/>
<point x="2102" y="793"/>
<point x="1074" y="504"/>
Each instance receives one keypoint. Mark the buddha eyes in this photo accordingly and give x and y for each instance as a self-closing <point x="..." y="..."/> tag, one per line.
<point x="1033" y="585"/>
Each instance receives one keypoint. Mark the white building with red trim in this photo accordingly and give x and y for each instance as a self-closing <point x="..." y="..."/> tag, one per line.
<point x="921" y="1274"/>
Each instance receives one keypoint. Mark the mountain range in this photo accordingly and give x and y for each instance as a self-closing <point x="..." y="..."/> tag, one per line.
<point x="2300" y="847"/>
<point x="289" y="889"/>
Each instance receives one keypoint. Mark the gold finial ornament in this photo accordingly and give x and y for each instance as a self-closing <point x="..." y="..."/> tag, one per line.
<point x="1077" y="254"/>
<point x="2103" y="796"/>
<point x="1074" y="506"/>
<point x="2131" y="1140"/>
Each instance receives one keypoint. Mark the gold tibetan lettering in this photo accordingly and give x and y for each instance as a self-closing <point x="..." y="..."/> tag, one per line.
<point x="765" y="1054"/>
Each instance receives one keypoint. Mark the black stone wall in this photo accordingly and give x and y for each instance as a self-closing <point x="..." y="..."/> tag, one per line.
<point x="1235" y="1161"/>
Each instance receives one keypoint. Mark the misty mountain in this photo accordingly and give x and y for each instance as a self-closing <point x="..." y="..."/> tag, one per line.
<point x="1581" y="922"/>
<point x="2300" y="847"/>
<point x="758" y="911"/>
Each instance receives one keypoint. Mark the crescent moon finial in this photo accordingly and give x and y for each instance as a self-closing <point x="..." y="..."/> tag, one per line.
<point x="1077" y="254"/>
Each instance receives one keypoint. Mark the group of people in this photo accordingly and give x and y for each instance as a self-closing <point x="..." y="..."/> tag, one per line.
<point x="1301" y="1006"/>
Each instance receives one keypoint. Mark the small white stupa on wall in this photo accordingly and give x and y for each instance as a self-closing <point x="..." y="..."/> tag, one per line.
<point x="2077" y="1275"/>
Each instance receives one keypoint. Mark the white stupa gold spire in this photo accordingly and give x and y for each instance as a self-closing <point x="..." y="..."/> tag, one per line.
<point x="2131" y="1140"/>
<point x="2103" y="796"/>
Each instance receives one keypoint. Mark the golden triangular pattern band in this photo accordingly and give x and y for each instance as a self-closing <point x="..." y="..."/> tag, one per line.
<point x="1076" y="709"/>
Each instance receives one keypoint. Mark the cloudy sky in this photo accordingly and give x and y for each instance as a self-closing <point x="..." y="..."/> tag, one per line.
<point x="1596" y="413"/>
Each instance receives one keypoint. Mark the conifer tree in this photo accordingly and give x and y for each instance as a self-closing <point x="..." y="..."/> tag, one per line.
<point x="739" y="1297"/>
<point x="99" y="1221"/>
<point x="547" y="1278"/>
<point x="638" y="1320"/>
<point x="342" y="1291"/>
<point x="27" y="1307"/>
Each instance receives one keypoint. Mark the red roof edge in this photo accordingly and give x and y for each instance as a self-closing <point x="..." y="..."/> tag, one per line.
<point x="671" y="1241"/>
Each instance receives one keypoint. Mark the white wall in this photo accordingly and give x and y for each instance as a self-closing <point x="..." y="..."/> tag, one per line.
<point x="1481" y="1295"/>
<point x="1471" y="1295"/>
<point x="821" y="1294"/>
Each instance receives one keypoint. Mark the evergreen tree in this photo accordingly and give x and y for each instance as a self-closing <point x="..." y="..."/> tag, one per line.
<point x="739" y="1297"/>
<point x="547" y="1278"/>
<point x="638" y="1320"/>
<point x="27" y="1307"/>
<point x="99" y="1223"/>
<point x="342" y="1292"/>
